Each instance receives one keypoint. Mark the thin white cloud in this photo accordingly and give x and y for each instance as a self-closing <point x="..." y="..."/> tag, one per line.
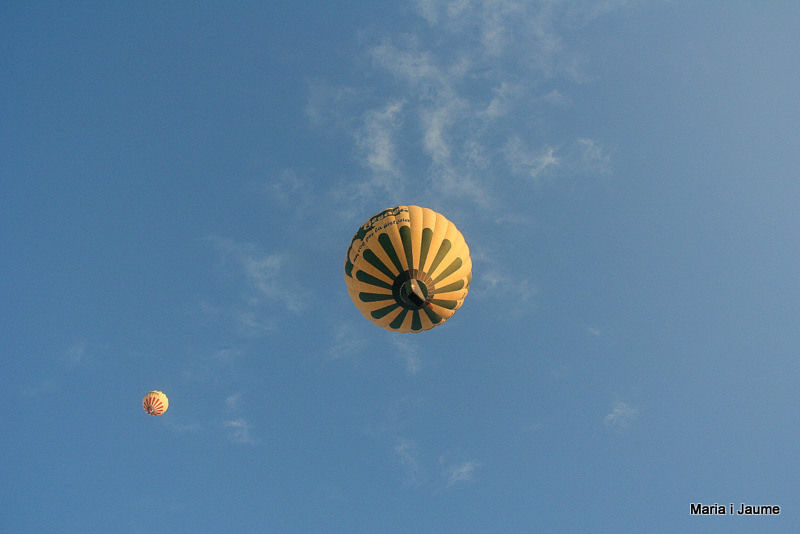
<point x="406" y="59"/>
<point x="251" y="323"/>
<point x="408" y="350"/>
<point x="393" y="421"/>
<point x="593" y="157"/>
<point x="462" y="97"/>
<point x="329" y="106"/>
<point x="526" y="161"/>
<point x="455" y="112"/>
<point x="288" y="190"/>
<point x="621" y="415"/>
<point x="581" y="13"/>
<point x="460" y="472"/>
<point x="233" y="402"/>
<point x="377" y="139"/>
<point x="584" y="157"/>
<point x="269" y="274"/>
<point x="81" y="354"/>
<point x="555" y="98"/>
<point x="239" y="431"/>
<point x="594" y="331"/>
<point x="429" y="10"/>
<point x="408" y="454"/>
<point x="505" y="97"/>
<point x="456" y="468"/>
<point x="545" y="160"/>
<point x="522" y="32"/>
<point x="348" y="341"/>
<point x="435" y="123"/>
<point x="270" y="282"/>
<point x="494" y="283"/>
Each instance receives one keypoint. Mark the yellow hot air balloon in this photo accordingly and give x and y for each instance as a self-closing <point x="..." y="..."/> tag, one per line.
<point x="408" y="269"/>
<point x="155" y="403"/>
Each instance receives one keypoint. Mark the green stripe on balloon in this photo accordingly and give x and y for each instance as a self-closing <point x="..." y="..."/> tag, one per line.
<point x="416" y="322"/>
<point x="405" y="237"/>
<point x="375" y="297"/>
<point x="386" y="244"/>
<point x="455" y="286"/>
<point x="361" y="276"/>
<point x="432" y="315"/>
<point x="443" y="250"/>
<point x="398" y="321"/>
<point x="453" y="267"/>
<point x="447" y="304"/>
<point x="383" y="312"/>
<point x="376" y="262"/>
<point x="425" y="245"/>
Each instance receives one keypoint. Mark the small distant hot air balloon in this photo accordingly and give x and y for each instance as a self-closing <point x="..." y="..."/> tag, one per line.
<point x="155" y="403"/>
<point x="408" y="269"/>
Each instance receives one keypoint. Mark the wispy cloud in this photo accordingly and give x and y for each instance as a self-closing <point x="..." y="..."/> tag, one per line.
<point x="268" y="274"/>
<point x="409" y="456"/>
<point x="543" y="164"/>
<point x="408" y="350"/>
<point x="497" y="284"/>
<point x="347" y="341"/>
<point x="377" y="139"/>
<point x="419" y="465"/>
<point x="535" y="163"/>
<point x="594" y="158"/>
<point x="328" y="106"/>
<point x="81" y="353"/>
<point x="239" y="431"/>
<point x="555" y="98"/>
<point x="288" y="189"/>
<point x="350" y="342"/>
<point x="233" y="402"/>
<point x="621" y="415"/>
<point x="525" y="33"/>
<point x="456" y="468"/>
<point x="456" y="110"/>
<point x="393" y="421"/>
<point x="269" y="285"/>
<point x="461" y="472"/>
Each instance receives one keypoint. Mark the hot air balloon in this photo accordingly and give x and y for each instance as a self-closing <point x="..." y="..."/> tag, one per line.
<point x="155" y="403"/>
<point x="408" y="269"/>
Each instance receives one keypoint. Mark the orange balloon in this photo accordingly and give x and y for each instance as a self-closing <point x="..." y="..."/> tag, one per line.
<point x="155" y="403"/>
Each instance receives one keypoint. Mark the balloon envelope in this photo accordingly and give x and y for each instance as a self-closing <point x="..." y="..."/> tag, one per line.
<point x="408" y="269"/>
<point x="155" y="403"/>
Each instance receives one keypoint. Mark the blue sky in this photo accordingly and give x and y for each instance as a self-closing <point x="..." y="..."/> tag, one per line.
<point x="179" y="184"/>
